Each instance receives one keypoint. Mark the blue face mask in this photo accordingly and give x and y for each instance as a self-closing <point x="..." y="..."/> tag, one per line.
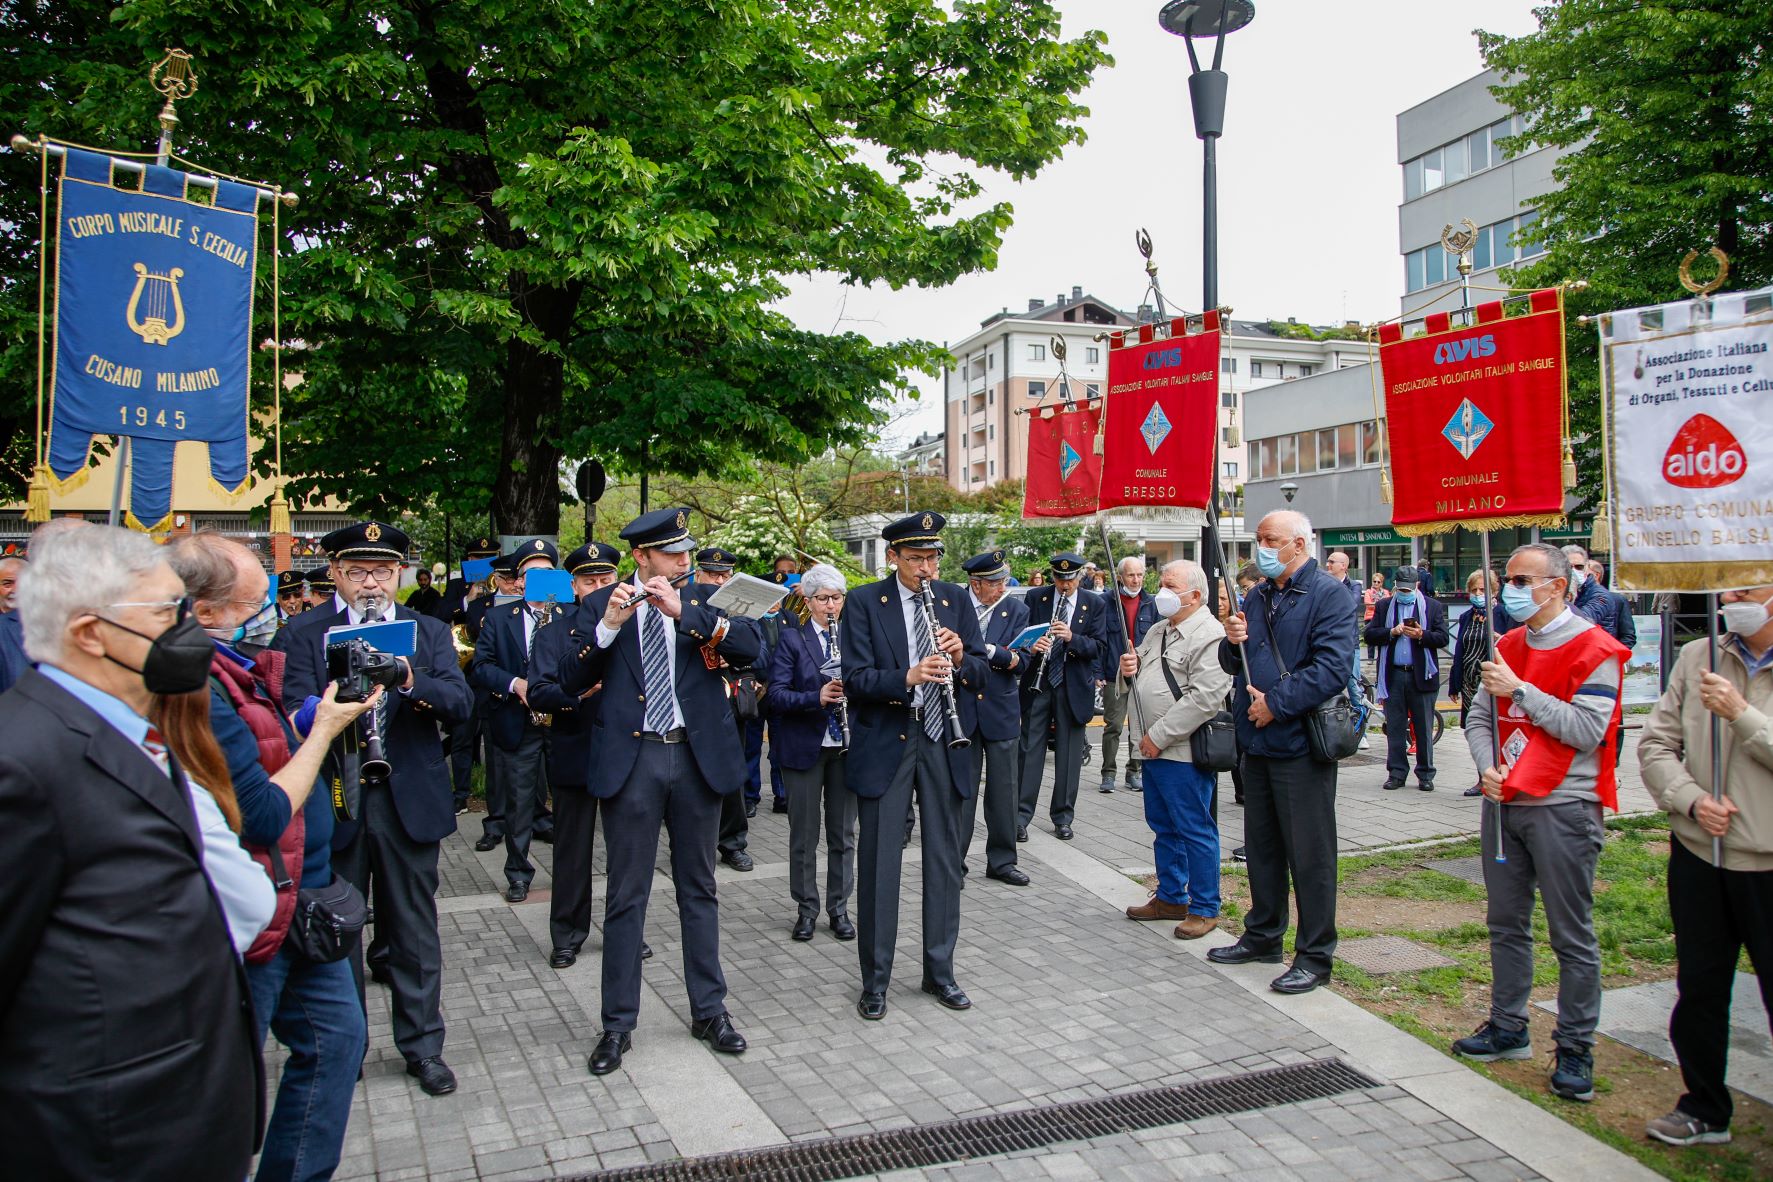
<point x="256" y="627"/>
<point x="1477" y="599"/>
<point x="1268" y="561"/>
<point x="1519" y="603"/>
<point x="1406" y="597"/>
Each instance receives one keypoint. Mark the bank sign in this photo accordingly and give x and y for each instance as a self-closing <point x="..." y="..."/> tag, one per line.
<point x="1688" y="405"/>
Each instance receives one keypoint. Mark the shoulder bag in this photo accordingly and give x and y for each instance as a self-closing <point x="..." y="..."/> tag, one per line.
<point x="1332" y="728"/>
<point x="1213" y="745"/>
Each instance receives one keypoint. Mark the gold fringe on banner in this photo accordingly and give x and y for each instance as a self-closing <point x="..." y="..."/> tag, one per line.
<point x="37" y="499"/>
<point x="279" y="522"/>
<point x="1691" y="576"/>
<point x="157" y="531"/>
<point x="1481" y="524"/>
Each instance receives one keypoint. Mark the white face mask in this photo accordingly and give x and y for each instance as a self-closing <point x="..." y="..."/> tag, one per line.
<point x="1744" y="617"/>
<point x="1168" y="603"/>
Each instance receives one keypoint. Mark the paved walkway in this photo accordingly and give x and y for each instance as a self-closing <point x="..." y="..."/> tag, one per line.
<point x="1070" y="1001"/>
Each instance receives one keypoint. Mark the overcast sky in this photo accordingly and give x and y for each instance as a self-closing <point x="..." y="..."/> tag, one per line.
<point x="1308" y="176"/>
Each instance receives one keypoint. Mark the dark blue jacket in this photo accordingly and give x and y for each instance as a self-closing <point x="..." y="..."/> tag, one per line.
<point x="420" y="781"/>
<point x="991" y="704"/>
<point x="1083" y="654"/>
<point x="1310" y="628"/>
<point x="797" y="720"/>
<point x="13" y="661"/>
<point x="569" y="743"/>
<point x="876" y="658"/>
<point x="1434" y="638"/>
<point x="500" y="656"/>
<point x="1467" y="634"/>
<point x="1610" y="611"/>
<point x="1117" y="644"/>
<point x="713" y="732"/>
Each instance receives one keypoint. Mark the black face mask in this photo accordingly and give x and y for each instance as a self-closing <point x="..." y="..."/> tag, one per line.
<point x="178" y="658"/>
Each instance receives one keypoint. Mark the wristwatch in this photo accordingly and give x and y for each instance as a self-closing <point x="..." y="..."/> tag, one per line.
<point x="1519" y="696"/>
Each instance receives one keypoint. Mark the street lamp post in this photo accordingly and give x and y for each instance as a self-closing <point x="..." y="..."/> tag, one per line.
<point x="1189" y="19"/>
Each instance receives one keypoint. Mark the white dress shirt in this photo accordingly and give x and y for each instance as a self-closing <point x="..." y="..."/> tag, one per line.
<point x="908" y="605"/>
<point x="606" y="637"/>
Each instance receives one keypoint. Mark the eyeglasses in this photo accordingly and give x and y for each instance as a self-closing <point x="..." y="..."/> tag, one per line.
<point x="827" y="597"/>
<point x="177" y="609"/>
<point x="1525" y="581"/>
<point x="360" y="574"/>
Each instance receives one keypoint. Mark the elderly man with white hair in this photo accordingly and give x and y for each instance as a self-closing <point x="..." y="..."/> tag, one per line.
<point x="126" y="1029"/>
<point x="808" y="741"/>
<point x="1290" y="649"/>
<point x="1178" y="684"/>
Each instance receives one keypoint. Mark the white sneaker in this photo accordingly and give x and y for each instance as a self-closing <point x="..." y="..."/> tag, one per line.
<point x="1366" y="744"/>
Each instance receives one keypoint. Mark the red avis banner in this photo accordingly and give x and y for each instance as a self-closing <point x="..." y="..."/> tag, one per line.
<point x="1163" y="417"/>
<point x="1476" y="419"/>
<point x="1064" y="471"/>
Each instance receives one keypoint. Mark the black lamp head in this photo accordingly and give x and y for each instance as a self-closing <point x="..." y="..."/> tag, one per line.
<point x="1206" y="18"/>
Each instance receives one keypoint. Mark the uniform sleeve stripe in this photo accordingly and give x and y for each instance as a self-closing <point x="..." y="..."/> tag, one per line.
<point x="1598" y="691"/>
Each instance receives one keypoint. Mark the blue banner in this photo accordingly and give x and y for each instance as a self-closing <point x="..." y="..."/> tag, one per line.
<point x="153" y="325"/>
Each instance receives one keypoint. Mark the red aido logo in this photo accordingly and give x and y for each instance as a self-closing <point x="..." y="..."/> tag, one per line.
<point x="1704" y="455"/>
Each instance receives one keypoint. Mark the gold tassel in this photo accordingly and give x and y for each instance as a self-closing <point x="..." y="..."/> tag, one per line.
<point x="1232" y="436"/>
<point x="1601" y="540"/>
<point x="1385" y="485"/>
<point x="279" y="514"/>
<point x="1569" y="467"/>
<point x="37" y="499"/>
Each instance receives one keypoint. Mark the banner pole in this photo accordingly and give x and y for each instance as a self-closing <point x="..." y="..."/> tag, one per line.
<point x="1126" y="633"/>
<point x="1495" y="703"/>
<point x="1717" y="727"/>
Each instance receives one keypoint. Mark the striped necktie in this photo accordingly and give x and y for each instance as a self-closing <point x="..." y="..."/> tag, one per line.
<point x="926" y="646"/>
<point x="832" y="726"/>
<point x="154" y="744"/>
<point x="1056" y="663"/>
<point x="655" y="660"/>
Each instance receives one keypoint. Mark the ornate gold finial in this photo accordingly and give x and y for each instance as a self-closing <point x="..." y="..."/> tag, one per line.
<point x="1058" y="345"/>
<point x="1459" y="242"/>
<point x="1717" y="281"/>
<point x="175" y="78"/>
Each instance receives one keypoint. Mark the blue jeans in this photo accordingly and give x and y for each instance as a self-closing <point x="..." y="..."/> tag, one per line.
<point x="314" y="1011"/>
<point x="1178" y="807"/>
<point x="754" y="765"/>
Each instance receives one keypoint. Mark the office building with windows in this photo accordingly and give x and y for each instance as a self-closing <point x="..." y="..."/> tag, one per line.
<point x="1007" y="366"/>
<point x="1454" y="168"/>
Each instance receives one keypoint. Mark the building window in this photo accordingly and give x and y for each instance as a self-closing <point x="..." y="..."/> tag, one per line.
<point x="1413" y="265"/>
<point x="1092" y="390"/>
<point x="1326" y="450"/>
<point x="1412" y="179"/>
<point x="1306" y="371"/>
<point x="991" y="431"/>
<point x="1523" y="224"/>
<point x="1287" y="448"/>
<point x="991" y="468"/>
<point x="1433" y="171"/>
<point x="1228" y="469"/>
<point x="1228" y="398"/>
<point x="1037" y="352"/>
<point x="990" y="396"/>
<point x="1092" y="355"/>
<point x="1255" y="369"/>
<point x="1348" y="445"/>
<point x="1037" y="389"/>
<point x="991" y="361"/>
<point x="1225" y="436"/>
<point x="1370" y="446"/>
<point x="1227" y="365"/>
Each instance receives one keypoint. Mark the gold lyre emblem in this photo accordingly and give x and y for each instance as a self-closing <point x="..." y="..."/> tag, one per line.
<point x="372" y="532"/>
<point x="162" y="296"/>
<point x="928" y="521"/>
<point x="681" y="519"/>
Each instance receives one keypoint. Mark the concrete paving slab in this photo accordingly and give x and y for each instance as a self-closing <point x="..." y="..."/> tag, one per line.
<point x="1390" y="954"/>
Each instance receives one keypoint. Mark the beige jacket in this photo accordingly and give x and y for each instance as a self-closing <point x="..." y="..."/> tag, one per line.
<point x="1192" y="653"/>
<point x="1675" y="754"/>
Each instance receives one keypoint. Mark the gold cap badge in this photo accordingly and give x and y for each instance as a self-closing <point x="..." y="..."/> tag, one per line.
<point x="372" y="532"/>
<point x="928" y="522"/>
<point x="538" y="543"/>
<point x="681" y="520"/>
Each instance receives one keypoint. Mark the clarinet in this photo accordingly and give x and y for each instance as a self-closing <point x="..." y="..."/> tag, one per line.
<point x="1040" y="670"/>
<point x="843" y="704"/>
<point x="949" y="709"/>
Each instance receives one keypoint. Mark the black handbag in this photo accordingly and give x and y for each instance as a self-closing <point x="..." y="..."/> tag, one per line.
<point x="1213" y="745"/>
<point x="327" y="919"/>
<point x="747" y="701"/>
<point x="1332" y="728"/>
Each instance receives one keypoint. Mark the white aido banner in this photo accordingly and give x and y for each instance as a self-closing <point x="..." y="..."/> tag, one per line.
<point x="1687" y="406"/>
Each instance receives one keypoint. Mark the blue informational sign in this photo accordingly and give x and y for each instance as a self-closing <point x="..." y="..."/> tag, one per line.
<point x="153" y="324"/>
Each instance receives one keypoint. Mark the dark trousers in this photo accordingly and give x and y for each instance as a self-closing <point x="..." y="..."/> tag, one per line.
<point x="493" y="824"/>
<point x="464" y="753"/>
<point x="1038" y="710"/>
<point x="406" y="920"/>
<point x="1290" y="842"/>
<point x="754" y="765"/>
<point x="575" y="840"/>
<point x="1716" y="914"/>
<point x="523" y="775"/>
<point x="734" y="833"/>
<point x="994" y="783"/>
<point x="666" y="788"/>
<point x="880" y="852"/>
<point x="819" y="800"/>
<point x="1404" y="709"/>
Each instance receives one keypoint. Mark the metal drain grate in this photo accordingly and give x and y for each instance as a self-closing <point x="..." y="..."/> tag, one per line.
<point x="986" y="1136"/>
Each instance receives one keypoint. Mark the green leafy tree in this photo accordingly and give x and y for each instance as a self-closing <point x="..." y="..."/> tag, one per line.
<point x="755" y="532"/>
<point x="1665" y="112"/>
<point x="532" y="230"/>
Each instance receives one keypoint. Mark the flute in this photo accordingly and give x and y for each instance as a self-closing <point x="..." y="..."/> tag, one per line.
<point x="646" y="594"/>
<point x="951" y="712"/>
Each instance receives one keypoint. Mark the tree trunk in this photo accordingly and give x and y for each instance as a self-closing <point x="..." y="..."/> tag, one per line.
<point x="526" y="499"/>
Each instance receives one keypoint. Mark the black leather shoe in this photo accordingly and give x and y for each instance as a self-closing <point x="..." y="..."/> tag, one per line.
<point x="1393" y="785"/>
<point x="1021" y="833"/>
<point x="610" y="1049"/>
<point x="517" y="892"/>
<point x="750" y="809"/>
<point x="545" y="836"/>
<point x="872" y="1006"/>
<point x="434" y="1076"/>
<point x="378" y="972"/>
<point x="948" y="995"/>
<point x="779" y="805"/>
<point x="487" y="843"/>
<point x="1242" y="953"/>
<point x="646" y="950"/>
<point x="737" y="859"/>
<point x="1062" y="832"/>
<point x="718" y="1033"/>
<point x="1012" y="876"/>
<point x="1299" y="980"/>
<point x="842" y="928"/>
<point x="563" y="958"/>
<point x="1426" y="786"/>
<point x="803" y="928"/>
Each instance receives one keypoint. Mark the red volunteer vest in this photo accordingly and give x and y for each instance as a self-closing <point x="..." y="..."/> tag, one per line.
<point x="1537" y="762"/>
